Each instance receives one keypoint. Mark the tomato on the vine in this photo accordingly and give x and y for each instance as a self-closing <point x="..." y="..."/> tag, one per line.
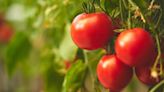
<point x="113" y="74"/>
<point x="91" y="31"/>
<point x="144" y="75"/>
<point x="135" y="47"/>
<point x="5" y="32"/>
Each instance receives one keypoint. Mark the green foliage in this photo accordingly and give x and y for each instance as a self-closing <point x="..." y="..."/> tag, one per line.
<point x="17" y="51"/>
<point x="67" y="48"/>
<point x="52" y="19"/>
<point x="75" y="77"/>
<point x="53" y="80"/>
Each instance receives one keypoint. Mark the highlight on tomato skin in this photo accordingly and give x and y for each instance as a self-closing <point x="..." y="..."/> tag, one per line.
<point x="135" y="47"/>
<point x="113" y="74"/>
<point x="91" y="31"/>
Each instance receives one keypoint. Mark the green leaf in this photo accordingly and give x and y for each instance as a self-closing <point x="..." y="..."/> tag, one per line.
<point x="88" y="7"/>
<point x="93" y="59"/>
<point x="53" y="80"/>
<point x="92" y="8"/>
<point x="97" y="2"/>
<point x="85" y="7"/>
<point x="107" y="5"/>
<point x="74" y="77"/>
<point x="67" y="47"/>
<point x="54" y="36"/>
<point x="17" y="50"/>
<point x="143" y="4"/>
<point x="115" y="13"/>
<point x="119" y="30"/>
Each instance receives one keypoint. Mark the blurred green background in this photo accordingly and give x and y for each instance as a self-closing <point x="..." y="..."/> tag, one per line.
<point x="37" y="57"/>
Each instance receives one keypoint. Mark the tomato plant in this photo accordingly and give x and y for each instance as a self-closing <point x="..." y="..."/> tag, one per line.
<point x="57" y="45"/>
<point x="91" y="31"/>
<point x="113" y="74"/>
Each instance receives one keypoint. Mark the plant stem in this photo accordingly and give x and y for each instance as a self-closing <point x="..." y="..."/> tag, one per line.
<point x="159" y="19"/>
<point x="121" y="11"/>
<point x="129" y="18"/>
<point x="157" y="86"/>
<point x="159" y="53"/>
<point x="133" y="4"/>
<point x="151" y="4"/>
<point x="89" y="67"/>
<point x="125" y="5"/>
<point x="103" y="10"/>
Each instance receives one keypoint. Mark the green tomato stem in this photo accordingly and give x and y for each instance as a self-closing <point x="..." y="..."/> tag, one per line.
<point x="125" y="5"/>
<point x="89" y="67"/>
<point x="159" y="19"/>
<point x="157" y="86"/>
<point x="159" y="53"/>
<point x="121" y="11"/>
<point x="129" y="19"/>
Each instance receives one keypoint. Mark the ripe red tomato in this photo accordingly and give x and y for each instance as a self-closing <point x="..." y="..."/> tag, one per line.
<point x="5" y="32"/>
<point x="135" y="47"/>
<point x="113" y="74"/>
<point x="144" y="75"/>
<point x="91" y="31"/>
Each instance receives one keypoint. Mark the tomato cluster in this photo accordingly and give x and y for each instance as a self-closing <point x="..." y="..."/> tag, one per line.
<point x="133" y="48"/>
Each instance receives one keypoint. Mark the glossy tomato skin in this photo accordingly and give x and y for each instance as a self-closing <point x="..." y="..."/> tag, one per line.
<point x="144" y="75"/>
<point x="113" y="74"/>
<point x="135" y="47"/>
<point x="91" y="31"/>
<point x="5" y="32"/>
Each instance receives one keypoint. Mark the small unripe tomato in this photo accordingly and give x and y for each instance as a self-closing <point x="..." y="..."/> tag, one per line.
<point x="144" y="75"/>
<point x="113" y="74"/>
<point x="91" y="31"/>
<point x="135" y="47"/>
